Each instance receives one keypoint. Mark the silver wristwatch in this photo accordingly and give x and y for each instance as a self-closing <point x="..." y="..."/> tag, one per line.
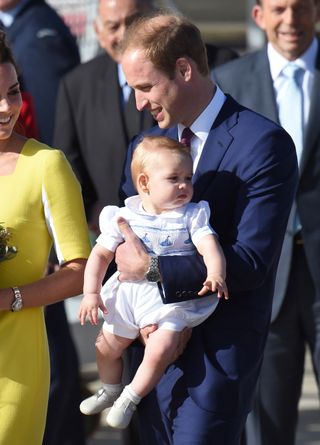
<point x="153" y="273"/>
<point x="17" y="304"/>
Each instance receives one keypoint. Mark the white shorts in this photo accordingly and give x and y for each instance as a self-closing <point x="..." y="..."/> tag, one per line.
<point x="134" y="305"/>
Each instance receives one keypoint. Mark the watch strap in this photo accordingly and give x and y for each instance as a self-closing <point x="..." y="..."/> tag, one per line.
<point x="153" y="274"/>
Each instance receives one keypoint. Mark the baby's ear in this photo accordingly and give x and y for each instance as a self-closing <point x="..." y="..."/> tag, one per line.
<point x="143" y="182"/>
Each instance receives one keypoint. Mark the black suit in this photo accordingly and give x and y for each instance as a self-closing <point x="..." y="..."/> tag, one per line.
<point x="93" y="130"/>
<point x="297" y="292"/>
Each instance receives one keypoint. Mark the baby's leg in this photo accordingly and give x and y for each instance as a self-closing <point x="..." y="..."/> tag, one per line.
<point x="159" y="352"/>
<point x="109" y="349"/>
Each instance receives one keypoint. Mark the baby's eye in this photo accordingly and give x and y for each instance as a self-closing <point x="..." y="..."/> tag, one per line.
<point x="14" y="92"/>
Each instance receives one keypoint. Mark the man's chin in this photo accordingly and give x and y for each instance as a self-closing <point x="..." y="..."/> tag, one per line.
<point x="163" y="124"/>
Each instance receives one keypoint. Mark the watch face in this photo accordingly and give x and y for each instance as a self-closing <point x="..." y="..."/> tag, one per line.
<point x="17" y="305"/>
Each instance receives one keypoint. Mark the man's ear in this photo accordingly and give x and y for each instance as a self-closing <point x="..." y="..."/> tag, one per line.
<point x="143" y="183"/>
<point x="98" y="30"/>
<point x="257" y="14"/>
<point x="184" y="67"/>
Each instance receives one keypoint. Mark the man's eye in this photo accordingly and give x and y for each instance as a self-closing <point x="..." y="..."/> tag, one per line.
<point x="145" y="89"/>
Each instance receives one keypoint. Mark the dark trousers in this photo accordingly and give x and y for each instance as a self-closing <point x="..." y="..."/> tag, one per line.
<point x="64" y="421"/>
<point x="274" y="417"/>
<point x="191" y="424"/>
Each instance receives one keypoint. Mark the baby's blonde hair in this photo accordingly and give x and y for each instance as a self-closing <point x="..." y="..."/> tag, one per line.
<point x="148" y="148"/>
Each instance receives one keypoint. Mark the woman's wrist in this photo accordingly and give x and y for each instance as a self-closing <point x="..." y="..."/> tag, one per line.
<point x="6" y="299"/>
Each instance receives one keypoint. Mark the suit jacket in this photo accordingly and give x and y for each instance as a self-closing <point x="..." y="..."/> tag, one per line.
<point x="249" y="81"/>
<point x="44" y="50"/>
<point x="248" y="174"/>
<point x="92" y="129"/>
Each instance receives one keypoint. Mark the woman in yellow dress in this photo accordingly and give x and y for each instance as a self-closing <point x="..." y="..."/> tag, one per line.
<point x="40" y="205"/>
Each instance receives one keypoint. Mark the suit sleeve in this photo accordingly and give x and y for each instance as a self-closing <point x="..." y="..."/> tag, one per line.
<point x="66" y="138"/>
<point x="261" y="208"/>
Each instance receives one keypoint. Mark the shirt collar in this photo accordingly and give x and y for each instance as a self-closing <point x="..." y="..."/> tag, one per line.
<point x="7" y="17"/>
<point x="121" y="76"/>
<point x="134" y="204"/>
<point x="202" y="125"/>
<point x="307" y="60"/>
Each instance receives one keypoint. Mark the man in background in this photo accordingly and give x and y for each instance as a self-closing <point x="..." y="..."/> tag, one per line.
<point x="45" y="50"/>
<point x="262" y="81"/>
<point x="96" y="115"/>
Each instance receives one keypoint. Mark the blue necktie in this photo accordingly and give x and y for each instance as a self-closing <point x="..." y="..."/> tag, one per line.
<point x="291" y="105"/>
<point x="291" y="119"/>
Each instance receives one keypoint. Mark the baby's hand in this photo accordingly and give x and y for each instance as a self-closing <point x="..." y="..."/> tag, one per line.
<point x="89" y="308"/>
<point x="215" y="283"/>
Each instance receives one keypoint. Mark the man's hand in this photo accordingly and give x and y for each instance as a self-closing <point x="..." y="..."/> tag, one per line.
<point x="131" y="257"/>
<point x="146" y="331"/>
<point x="182" y="343"/>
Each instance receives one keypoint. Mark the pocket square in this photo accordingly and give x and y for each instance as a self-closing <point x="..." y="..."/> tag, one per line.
<point x="46" y="32"/>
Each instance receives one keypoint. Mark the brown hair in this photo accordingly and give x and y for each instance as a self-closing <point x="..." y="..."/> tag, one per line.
<point x="165" y="37"/>
<point x="148" y="148"/>
<point x="6" y="55"/>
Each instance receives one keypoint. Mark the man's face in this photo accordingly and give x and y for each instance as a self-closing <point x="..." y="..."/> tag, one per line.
<point x="288" y="24"/>
<point x="114" y="16"/>
<point x="163" y="97"/>
<point x="5" y="5"/>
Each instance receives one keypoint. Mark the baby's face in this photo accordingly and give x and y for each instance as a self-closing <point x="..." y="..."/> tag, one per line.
<point x="169" y="181"/>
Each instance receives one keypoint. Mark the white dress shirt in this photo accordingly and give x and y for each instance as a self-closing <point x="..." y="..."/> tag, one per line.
<point x="306" y="61"/>
<point x="202" y="126"/>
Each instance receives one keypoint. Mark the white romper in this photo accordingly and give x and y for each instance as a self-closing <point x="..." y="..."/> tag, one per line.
<point x="133" y="305"/>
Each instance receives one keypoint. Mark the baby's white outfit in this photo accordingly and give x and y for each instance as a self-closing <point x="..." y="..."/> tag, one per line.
<point x="133" y="305"/>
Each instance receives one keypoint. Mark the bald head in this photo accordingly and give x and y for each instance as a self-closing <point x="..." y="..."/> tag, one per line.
<point x="114" y="16"/>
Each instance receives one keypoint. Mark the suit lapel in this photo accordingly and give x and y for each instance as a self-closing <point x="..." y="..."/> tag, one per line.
<point x="217" y="143"/>
<point x="132" y="117"/>
<point x="260" y="87"/>
<point x="313" y="127"/>
<point x="108" y="96"/>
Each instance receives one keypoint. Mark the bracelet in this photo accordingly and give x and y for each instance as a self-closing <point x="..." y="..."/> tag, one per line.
<point x="17" y="303"/>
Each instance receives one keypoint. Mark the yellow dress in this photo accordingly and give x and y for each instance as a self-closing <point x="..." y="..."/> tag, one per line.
<point x="40" y="202"/>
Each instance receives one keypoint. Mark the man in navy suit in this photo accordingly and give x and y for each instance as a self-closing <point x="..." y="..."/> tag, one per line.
<point x="245" y="166"/>
<point x="96" y="116"/>
<point x="257" y="80"/>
